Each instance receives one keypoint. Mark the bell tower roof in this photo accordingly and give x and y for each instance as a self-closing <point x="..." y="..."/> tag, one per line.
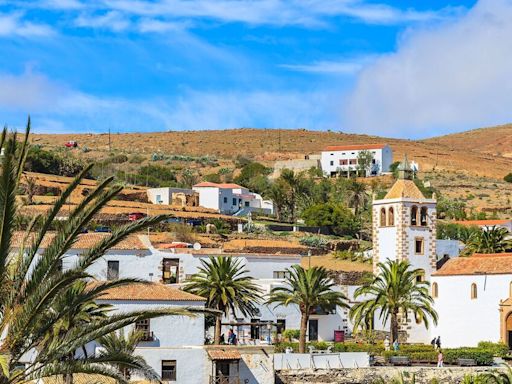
<point x="405" y="171"/>
<point x="404" y="188"/>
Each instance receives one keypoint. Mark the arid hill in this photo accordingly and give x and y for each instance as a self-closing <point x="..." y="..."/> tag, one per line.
<point x="484" y="152"/>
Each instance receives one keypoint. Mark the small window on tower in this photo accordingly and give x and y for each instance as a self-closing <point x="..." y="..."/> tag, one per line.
<point x="418" y="246"/>
<point x="383" y="217"/>
<point x="391" y="217"/>
<point x="414" y="215"/>
<point x="423" y="217"/>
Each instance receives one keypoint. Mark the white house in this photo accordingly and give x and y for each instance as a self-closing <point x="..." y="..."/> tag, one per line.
<point x="231" y="198"/>
<point x="171" y="345"/>
<point x="488" y="224"/>
<point x="342" y="159"/>
<point x="173" y="196"/>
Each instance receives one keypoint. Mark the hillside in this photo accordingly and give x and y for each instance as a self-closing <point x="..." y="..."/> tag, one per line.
<point x="451" y="153"/>
<point x="495" y="141"/>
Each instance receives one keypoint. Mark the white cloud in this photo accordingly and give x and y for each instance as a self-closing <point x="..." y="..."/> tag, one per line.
<point x="147" y="25"/>
<point x="449" y="77"/>
<point x="13" y="24"/>
<point x="113" y="20"/>
<point x="343" y="67"/>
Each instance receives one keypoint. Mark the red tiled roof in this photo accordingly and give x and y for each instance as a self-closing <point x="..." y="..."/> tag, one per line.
<point x="224" y="354"/>
<point x="149" y="292"/>
<point x="85" y="241"/>
<point x="483" y="222"/>
<point x="477" y="264"/>
<point x="218" y="185"/>
<point x="355" y="147"/>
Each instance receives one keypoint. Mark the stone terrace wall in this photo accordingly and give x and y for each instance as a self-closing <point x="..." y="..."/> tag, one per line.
<point x="423" y="375"/>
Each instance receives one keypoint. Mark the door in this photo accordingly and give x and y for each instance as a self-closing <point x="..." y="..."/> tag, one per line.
<point x="170" y="271"/>
<point x="510" y="340"/>
<point x="313" y="330"/>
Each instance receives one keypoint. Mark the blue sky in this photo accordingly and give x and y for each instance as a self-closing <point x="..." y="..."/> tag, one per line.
<point x="376" y="67"/>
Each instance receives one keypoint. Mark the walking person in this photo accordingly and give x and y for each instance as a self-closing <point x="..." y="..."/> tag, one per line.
<point x="396" y="345"/>
<point x="433" y="342"/>
<point x="438" y="342"/>
<point x="440" y="359"/>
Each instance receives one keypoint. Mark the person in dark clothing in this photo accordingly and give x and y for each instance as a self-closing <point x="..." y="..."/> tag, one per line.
<point x="433" y="343"/>
<point x="438" y="342"/>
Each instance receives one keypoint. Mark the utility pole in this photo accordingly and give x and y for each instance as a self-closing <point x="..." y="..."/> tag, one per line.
<point x="109" y="141"/>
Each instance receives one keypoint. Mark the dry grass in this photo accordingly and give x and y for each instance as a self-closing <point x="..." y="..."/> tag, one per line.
<point x="333" y="264"/>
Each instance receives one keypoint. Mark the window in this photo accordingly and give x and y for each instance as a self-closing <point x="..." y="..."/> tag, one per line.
<point x="414" y="215"/>
<point x="435" y="289"/>
<point x="474" y="291"/>
<point x="170" y="271"/>
<point x="281" y="326"/>
<point x="281" y="274"/>
<point x="112" y="270"/>
<point x="168" y="370"/>
<point x="331" y="163"/>
<point x="246" y="203"/>
<point x="373" y="161"/>
<point x="143" y="327"/>
<point x="234" y="201"/>
<point x="391" y="216"/>
<point x="255" y="329"/>
<point x="383" y="217"/>
<point x="420" y="277"/>
<point x="418" y="246"/>
<point x="352" y="161"/>
<point x="423" y="216"/>
<point x="159" y="199"/>
<point x="225" y="200"/>
<point x="343" y="162"/>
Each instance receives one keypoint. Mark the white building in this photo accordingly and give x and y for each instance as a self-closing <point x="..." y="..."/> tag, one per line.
<point x="171" y="345"/>
<point x="230" y="198"/>
<point x="487" y="224"/>
<point x="173" y="196"/>
<point x="342" y="159"/>
<point x="473" y="297"/>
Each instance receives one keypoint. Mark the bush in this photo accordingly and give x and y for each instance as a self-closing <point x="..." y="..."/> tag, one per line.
<point x="508" y="178"/>
<point x="314" y="241"/>
<point x="291" y="334"/>
<point x="498" y="349"/>
<point x="339" y="218"/>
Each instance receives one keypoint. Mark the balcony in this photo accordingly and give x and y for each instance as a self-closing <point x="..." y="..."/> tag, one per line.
<point x="224" y="379"/>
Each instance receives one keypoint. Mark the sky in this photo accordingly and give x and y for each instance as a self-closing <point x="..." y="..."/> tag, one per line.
<point x="402" y="68"/>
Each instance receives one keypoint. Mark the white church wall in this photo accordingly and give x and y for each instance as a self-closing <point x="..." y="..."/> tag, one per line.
<point x="464" y="321"/>
<point x="452" y="248"/>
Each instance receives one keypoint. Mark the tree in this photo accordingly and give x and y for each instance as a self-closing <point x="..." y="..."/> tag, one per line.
<point x="225" y="285"/>
<point x="117" y="343"/>
<point x="30" y="189"/>
<point x="277" y="193"/>
<point x="296" y="187"/>
<point x="339" y="218"/>
<point x="396" y="289"/>
<point x="311" y="290"/>
<point x="32" y="284"/>
<point x="357" y="196"/>
<point x="491" y="240"/>
<point x="364" y="162"/>
<point x="508" y="178"/>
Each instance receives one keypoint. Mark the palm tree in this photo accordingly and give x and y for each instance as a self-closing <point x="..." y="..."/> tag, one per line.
<point x="224" y="282"/>
<point x="32" y="284"/>
<point x="310" y="289"/>
<point x="491" y="240"/>
<point x="395" y="289"/>
<point x="117" y="343"/>
<point x="357" y="195"/>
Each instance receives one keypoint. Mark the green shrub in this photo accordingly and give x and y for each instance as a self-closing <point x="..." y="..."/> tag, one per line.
<point x="498" y="349"/>
<point x="290" y="334"/>
<point x="314" y="241"/>
<point x="508" y="178"/>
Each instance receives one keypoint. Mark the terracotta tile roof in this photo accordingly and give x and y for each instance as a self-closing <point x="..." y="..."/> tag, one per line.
<point x="404" y="188"/>
<point x="355" y="147"/>
<point x="477" y="264"/>
<point x="80" y="378"/>
<point x="483" y="222"/>
<point x="86" y="241"/>
<point x="217" y="185"/>
<point x="224" y="354"/>
<point x="149" y="292"/>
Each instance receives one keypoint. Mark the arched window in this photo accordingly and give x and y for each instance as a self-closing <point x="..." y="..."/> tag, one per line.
<point x="414" y="215"/>
<point x="420" y="277"/>
<point x="423" y="217"/>
<point x="391" y="216"/>
<point x="435" y="290"/>
<point x="474" y="291"/>
<point x="383" y="217"/>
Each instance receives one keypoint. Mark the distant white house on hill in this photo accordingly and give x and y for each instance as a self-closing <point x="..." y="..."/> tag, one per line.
<point x="343" y="159"/>
<point x="488" y="224"/>
<point x="231" y="199"/>
<point x="173" y="196"/>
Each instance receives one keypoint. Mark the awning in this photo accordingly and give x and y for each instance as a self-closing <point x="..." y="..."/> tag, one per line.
<point x="224" y="354"/>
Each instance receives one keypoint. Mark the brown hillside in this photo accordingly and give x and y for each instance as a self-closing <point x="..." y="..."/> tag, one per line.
<point x="496" y="141"/>
<point x="267" y="145"/>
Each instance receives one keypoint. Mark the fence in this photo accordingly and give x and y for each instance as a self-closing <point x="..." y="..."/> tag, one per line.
<point x="291" y="361"/>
